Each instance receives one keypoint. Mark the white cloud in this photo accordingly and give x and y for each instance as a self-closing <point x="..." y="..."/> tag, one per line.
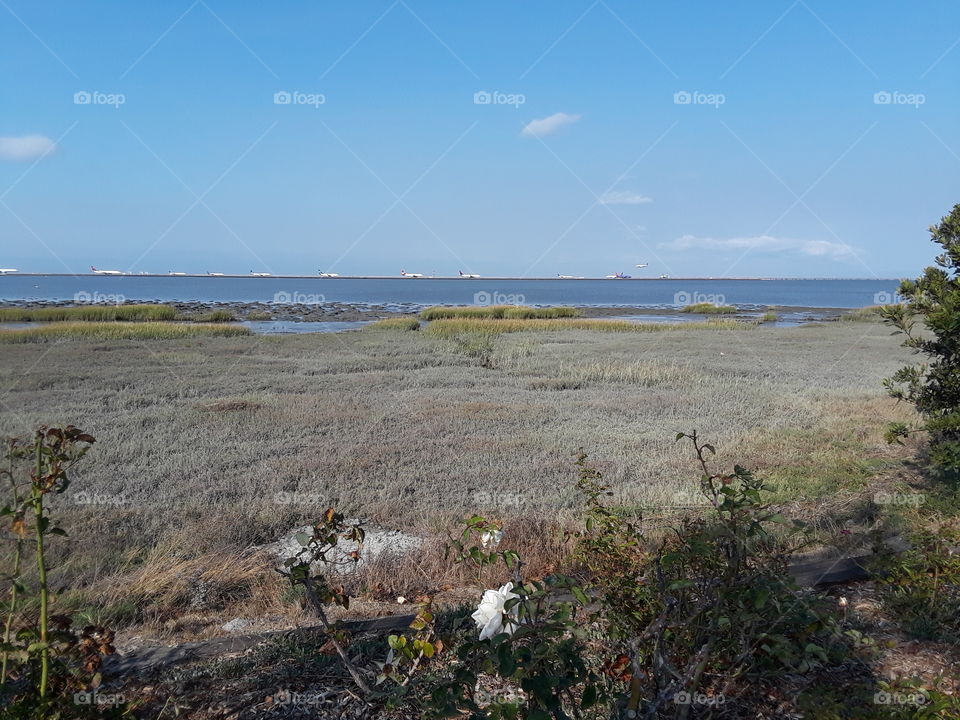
<point x="762" y="243"/>
<point x="548" y="125"/>
<point x="624" y="197"/>
<point x="26" y="147"/>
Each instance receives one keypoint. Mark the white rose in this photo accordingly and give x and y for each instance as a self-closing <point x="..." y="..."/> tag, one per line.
<point x="490" y="616"/>
<point x="491" y="538"/>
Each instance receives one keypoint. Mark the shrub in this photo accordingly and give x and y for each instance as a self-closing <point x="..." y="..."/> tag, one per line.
<point x="45" y="661"/>
<point x="921" y="586"/>
<point x="934" y="387"/>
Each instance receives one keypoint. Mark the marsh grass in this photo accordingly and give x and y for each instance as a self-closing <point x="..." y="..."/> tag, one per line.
<point x="403" y="429"/>
<point x="400" y="323"/>
<point x="90" y="313"/>
<point x="215" y="316"/>
<point x="709" y="309"/>
<point x="768" y="317"/>
<point x="118" y="331"/>
<point x="258" y="316"/>
<point x="485" y="326"/>
<point x="870" y="313"/>
<point x="513" y="312"/>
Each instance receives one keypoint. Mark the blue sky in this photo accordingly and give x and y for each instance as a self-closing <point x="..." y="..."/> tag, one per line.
<point x="703" y="138"/>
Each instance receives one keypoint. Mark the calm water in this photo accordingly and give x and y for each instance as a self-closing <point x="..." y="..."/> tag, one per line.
<point x="652" y="293"/>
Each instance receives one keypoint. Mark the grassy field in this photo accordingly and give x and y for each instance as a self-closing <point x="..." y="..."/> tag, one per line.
<point x="198" y="436"/>
<point x="90" y="313"/>
<point x="514" y="312"/>
<point x="487" y="326"/>
<point x="100" y="331"/>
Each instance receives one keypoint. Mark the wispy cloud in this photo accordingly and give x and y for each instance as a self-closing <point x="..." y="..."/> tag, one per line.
<point x="26" y="147"/>
<point x="548" y="125"/>
<point x="762" y="243"/>
<point x="624" y="197"/>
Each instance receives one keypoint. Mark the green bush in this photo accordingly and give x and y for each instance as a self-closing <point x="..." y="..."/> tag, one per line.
<point x="933" y="387"/>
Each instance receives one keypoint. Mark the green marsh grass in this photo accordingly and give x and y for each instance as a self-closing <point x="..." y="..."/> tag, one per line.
<point x="400" y="323"/>
<point x="90" y="313"/>
<point x="706" y="308"/>
<point x="513" y="312"/>
<point x="871" y="313"/>
<point x="451" y="327"/>
<point x="118" y="331"/>
<point x="216" y="316"/>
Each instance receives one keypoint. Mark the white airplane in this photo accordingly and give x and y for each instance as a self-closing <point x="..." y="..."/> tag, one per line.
<point x="214" y="274"/>
<point x="404" y="273"/>
<point x="323" y="274"/>
<point x="643" y="265"/>
<point x="570" y="277"/>
<point x="468" y="275"/>
<point x="105" y="272"/>
<point x="260" y="274"/>
<point x="176" y="273"/>
<point x="7" y="271"/>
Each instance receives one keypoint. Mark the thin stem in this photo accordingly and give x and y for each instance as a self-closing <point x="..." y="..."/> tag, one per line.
<point x="18" y="558"/>
<point x="318" y="606"/>
<point x="41" y="569"/>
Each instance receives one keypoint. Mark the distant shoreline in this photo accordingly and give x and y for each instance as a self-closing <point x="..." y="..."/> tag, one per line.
<point x="428" y="277"/>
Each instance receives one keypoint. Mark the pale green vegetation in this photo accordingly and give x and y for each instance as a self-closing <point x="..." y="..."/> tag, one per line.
<point x="768" y="317"/>
<point x="89" y="313"/>
<point x="400" y="323"/>
<point x="215" y="316"/>
<point x="258" y="316"/>
<point x="407" y="429"/>
<point x="871" y="313"/>
<point x="514" y="312"/>
<point x="100" y="331"/>
<point x="482" y="326"/>
<point x="706" y="308"/>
